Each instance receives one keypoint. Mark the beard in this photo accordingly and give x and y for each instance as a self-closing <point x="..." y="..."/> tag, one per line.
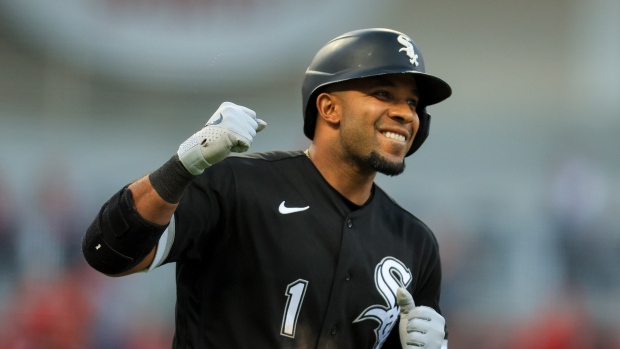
<point x="382" y="165"/>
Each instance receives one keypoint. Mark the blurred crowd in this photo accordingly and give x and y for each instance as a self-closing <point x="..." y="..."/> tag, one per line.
<point x="519" y="181"/>
<point x="49" y="297"/>
<point x="553" y="288"/>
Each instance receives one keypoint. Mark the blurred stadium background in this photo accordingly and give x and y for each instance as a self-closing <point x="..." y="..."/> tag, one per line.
<point x="519" y="179"/>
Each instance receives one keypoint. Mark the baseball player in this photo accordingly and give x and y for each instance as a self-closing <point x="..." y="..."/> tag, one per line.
<point x="297" y="249"/>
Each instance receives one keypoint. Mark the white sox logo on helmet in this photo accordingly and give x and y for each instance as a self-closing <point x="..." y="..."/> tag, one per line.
<point x="406" y="41"/>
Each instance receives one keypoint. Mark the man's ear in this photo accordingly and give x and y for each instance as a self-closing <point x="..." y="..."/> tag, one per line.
<point x="329" y="108"/>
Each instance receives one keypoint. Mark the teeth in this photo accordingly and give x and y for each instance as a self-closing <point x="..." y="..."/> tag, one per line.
<point x="394" y="136"/>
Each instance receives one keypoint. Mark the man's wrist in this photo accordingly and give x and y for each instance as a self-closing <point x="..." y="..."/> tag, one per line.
<point x="171" y="180"/>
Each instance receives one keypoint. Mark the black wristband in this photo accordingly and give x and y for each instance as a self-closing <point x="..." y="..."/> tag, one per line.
<point x="171" y="180"/>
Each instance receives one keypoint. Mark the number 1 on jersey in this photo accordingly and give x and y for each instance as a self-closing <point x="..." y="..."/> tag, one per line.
<point x="295" y="293"/>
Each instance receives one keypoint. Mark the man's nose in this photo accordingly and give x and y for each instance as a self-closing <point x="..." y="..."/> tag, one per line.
<point x="403" y="112"/>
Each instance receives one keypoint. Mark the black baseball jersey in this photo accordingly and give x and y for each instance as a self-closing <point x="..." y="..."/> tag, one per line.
<point x="269" y="255"/>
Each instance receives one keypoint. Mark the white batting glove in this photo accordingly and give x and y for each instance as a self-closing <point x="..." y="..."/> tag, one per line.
<point x="419" y="326"/>
<point x="231" y="129"/>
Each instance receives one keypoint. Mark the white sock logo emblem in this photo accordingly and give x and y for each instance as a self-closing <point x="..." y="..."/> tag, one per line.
<point x="390" y="274"/>
<point x="405" y="41"/>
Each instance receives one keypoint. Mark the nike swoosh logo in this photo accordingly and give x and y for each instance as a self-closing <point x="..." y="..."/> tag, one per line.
<point x="217" y="121"/>
<point x="286" y="210"/>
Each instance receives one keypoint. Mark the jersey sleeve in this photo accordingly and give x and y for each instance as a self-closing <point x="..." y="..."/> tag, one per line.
<point x="201" y="217"/>
<point x="429" y="290"/>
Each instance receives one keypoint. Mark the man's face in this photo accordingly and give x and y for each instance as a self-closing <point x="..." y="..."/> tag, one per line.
<point x="379" y="121"/>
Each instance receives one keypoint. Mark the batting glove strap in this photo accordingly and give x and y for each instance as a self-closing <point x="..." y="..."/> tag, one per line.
<point x="230" y="129"/>
<point x="419" y="326"/>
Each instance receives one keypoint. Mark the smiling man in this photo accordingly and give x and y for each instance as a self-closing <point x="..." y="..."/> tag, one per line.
<point x="374" y="121"/>
<point x="296" y="249"/>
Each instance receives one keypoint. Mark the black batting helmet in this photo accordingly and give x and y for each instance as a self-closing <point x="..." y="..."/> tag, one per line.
<point x="365" y="53"/>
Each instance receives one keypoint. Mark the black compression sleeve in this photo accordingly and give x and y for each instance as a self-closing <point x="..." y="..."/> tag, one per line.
<point x="119" y="238"/>
<point x="171" y="180"/>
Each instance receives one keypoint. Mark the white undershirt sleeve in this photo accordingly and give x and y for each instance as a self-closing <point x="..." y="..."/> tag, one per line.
<point x="163" y="246"/>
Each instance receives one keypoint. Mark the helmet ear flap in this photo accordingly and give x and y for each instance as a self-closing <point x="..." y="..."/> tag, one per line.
<point x="310" y="115"/>
<point x="423" y="130"/>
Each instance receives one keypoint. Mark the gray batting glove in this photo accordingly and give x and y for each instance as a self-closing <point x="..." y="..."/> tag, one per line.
<point x="419" y="326"/>
<point x="231" y="129"/>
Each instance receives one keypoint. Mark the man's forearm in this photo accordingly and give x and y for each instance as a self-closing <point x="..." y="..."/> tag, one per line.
<point x="149" y="203"/>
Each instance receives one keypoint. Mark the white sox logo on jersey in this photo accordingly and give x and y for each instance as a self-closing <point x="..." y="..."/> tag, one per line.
<point x="390" y="274"/>
<point x="405" y="41"/>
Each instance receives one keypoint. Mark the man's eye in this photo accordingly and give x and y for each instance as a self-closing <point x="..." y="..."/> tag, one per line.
<point x="413" y="103"/>
<point x="382" y="94"/>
